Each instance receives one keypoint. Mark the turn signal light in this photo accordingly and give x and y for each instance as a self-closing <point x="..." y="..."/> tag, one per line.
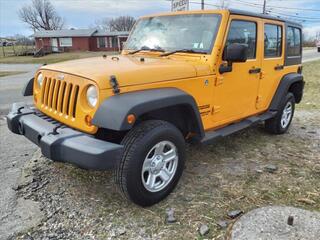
<point x="88" y="120"/>
<point x="131" y="118"/>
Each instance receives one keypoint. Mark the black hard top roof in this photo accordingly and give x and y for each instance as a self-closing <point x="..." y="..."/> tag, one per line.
<point x="265" y="16"/>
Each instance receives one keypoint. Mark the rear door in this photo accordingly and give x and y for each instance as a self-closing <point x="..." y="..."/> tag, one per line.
<point x="272" y="62"/>
<point x="235" y="92"/>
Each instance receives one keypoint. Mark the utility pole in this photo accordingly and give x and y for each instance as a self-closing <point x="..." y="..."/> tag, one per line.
<point x="264" y="6"/>
<point x="202" y="4"/>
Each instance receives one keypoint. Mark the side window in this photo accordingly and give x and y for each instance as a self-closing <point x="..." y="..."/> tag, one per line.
<point x="293" y="41"/>
<point x="272" y="40"/>
<point x="244" y="32"/>
<point x="101" y="42"/>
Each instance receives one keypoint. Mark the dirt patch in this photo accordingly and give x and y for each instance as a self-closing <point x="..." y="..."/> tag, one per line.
<point x="228" y="175"/>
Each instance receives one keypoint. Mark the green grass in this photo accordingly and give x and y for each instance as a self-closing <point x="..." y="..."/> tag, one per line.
<point x="53" y="58"/>
<point x="311" y="99"/>
<point x="10" y="51"/>
<point x="7" y="73"/>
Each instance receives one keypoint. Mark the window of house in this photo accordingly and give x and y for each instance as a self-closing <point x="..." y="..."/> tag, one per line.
<point x="65" y="42"/>
<point x="272" y="40"/>
<point x="101" y="42"/>
<point x="244" y="32"/>
<point x="293" y="41"/>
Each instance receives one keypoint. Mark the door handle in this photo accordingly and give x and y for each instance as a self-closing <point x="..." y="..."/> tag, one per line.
<point x="278" y="67"/>
<point x="255" y="70"/>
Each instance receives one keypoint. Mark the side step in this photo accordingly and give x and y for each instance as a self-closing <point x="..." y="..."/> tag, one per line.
<point x="235" y="127"/>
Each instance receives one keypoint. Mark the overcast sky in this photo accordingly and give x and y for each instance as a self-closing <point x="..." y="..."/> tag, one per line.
<point x="84" y="13"/>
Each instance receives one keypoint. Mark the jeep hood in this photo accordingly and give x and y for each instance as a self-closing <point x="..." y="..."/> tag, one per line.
<point x="131" y="70"/>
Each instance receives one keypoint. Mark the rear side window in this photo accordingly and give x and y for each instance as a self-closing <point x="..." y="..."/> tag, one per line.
<point x="244" y="32"/>
<point x="293" y="41"/>
<point x="272" y="41"/>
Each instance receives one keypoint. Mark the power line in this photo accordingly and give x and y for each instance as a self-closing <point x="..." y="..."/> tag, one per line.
<point x="264" y="6"/>
<point x="260" y="5"/>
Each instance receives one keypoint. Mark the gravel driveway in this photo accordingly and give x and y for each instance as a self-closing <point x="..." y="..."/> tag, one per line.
<point x="229" y="175"/>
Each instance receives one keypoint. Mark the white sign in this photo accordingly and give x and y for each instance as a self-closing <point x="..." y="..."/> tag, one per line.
<point x="179" y="5"/>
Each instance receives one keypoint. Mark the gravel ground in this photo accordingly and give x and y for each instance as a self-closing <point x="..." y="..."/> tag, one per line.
<point x="271" y="223"/>
<point x="239" y="173"/>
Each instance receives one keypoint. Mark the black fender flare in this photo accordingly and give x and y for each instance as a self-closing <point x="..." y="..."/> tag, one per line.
<point x="112" y="113"/>
<point x="28" y="88"/>
<point x="283" y="88"/>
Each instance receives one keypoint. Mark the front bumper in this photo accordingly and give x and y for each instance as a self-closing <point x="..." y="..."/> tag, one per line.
<point x="61" y="143"/>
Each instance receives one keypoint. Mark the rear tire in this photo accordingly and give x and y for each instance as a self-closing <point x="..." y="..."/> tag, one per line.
<point x="281" y="122"/>
<point x="152" y="162"/>
<point x="319" y="49"/>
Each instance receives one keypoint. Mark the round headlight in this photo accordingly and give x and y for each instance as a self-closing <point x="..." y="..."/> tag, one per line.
<point x="40" y="79"/>
<point x="92" y="96"/>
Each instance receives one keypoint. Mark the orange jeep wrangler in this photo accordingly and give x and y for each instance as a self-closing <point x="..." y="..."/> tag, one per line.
<point x="183" y="77"/>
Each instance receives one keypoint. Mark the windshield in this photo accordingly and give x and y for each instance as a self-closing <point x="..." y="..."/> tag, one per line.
<point x="195" y="32"/>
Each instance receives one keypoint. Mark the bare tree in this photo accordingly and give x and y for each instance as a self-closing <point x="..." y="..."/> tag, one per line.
<point x="41" y="15"/>
<point x="122" y="23"/>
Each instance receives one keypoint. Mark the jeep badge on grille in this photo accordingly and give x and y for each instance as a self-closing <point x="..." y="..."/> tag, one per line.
<point x="60" y="77"/>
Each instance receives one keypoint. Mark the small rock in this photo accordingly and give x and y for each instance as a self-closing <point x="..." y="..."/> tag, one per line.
<point x="222" y="224"/>
<point x="16" y="187"/>
<point x="312" y="132"/>
<point x="259" y="171"/>
<point x="204" y="229"/>
<point x="14" y="164"/>
<point x="26" y="154"/>
<point x="170" y="216"/>
<point x="271" y="168"/>
<point x="34" y="185"/>
<point x="234" y="214"/>
<point x="121" y="231"/>
<point x="290" y="220"/>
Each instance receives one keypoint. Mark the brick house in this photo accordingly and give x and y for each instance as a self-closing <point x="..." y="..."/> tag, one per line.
<point x="79" y="40"/>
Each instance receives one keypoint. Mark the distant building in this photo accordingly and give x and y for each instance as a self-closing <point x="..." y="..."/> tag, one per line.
<point x="80" y="40"/>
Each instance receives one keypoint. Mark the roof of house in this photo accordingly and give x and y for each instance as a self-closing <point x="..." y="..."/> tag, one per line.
<point x="65" y="33"/>
<point x="106" y="33"/>
<point x="76" y="33"/>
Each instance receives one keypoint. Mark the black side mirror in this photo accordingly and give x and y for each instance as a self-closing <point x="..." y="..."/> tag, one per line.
<point x="233" y="53"/>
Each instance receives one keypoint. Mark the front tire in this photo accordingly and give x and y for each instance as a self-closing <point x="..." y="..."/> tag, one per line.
<point x="281" y="122"/>
<point x="152" y="162"/>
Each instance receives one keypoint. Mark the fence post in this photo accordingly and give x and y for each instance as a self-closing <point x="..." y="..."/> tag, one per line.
<point x="4" y="54"/>
<point x="14" y="51"/>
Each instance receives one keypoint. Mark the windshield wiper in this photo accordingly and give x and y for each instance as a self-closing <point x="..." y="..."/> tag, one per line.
<point x="145" y="48"/>
<point x="182" y="51"/>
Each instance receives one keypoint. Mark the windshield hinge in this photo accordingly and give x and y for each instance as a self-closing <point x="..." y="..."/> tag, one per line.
<point x="114" y="84"/>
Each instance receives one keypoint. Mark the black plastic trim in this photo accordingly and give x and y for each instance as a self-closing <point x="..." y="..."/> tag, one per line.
<point x="283" y="89"/>
<point x="263" y="16"/>
<point x="62" y="143"/>
<point x="112" y="113"/>
<point x="28" y="88"/>
<point x="235" y="127"/>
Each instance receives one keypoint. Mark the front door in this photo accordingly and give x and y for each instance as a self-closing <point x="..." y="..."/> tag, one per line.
<point x="54" y="44"/>
<point x="235" y="93"/>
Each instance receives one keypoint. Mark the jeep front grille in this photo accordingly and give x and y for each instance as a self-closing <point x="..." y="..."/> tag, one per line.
<point x="60" y="96"/>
